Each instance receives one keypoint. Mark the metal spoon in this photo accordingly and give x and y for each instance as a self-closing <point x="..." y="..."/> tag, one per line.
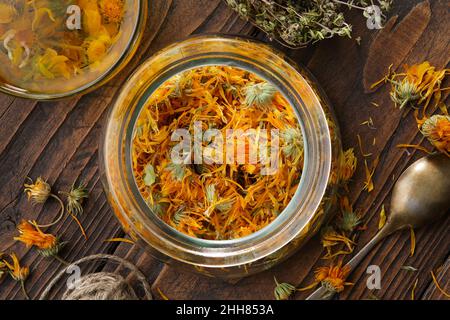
<point x="421" y="195"/>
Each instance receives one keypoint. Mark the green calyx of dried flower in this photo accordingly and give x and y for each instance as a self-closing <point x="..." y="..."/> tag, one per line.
<point x="260" y="95"/>
<point x="178" y="171"/>
<point x="349" y="221"/>
<point x="149" y="175"/>
<point x="179" y="215"/>
<point x="283" y="290"/>
<point x="75" y="199"/>
<point x="404" y="93"/>
<point x="52" y="251"/>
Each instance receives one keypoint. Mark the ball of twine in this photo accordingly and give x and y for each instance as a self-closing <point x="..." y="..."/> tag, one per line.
<point x="101" y="285"/>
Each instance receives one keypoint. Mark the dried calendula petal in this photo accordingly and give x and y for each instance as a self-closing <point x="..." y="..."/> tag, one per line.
<point x="382" y="220"/>
<point x="436" y="283"/>
<point x="413" y="241"/>
<point x="7" y="13"/>
<point x="18" y="272"/>
<point x="75" y="198"/>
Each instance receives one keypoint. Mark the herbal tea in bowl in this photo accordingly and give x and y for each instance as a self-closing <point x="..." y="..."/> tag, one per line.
<point x="55" y="49"/>
<point x="221" y="155"/>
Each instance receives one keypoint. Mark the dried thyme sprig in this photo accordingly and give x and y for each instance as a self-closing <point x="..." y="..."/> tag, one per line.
<point x="298" y="23"/>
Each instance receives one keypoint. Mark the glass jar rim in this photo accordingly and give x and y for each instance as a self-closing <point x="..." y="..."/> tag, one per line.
<point x="246" y="54"/>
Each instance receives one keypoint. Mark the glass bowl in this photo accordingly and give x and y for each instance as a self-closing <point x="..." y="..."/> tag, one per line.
<point x="306" y="212"/>
<point x="56" y="49"/>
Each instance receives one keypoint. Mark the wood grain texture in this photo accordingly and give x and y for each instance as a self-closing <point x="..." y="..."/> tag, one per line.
<point x="59" y="141"/>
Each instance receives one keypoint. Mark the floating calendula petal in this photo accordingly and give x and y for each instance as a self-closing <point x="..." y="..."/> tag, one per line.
<point x="7" y="13"/>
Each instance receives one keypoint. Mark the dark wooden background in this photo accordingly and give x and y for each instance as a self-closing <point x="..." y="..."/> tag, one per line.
<point x="60" y="141"/>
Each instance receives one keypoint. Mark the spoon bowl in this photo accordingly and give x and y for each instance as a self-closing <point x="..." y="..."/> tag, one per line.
<point x="421" y="194"/>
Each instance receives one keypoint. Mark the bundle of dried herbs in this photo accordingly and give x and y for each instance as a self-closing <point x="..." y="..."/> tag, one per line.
<point x="296" y="23"/>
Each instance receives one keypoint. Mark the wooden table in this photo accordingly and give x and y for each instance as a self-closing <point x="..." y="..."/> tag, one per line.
<point x="60" y="141"/>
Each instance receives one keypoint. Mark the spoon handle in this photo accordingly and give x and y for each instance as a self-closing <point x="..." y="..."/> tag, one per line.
<point x="322" y="294"/>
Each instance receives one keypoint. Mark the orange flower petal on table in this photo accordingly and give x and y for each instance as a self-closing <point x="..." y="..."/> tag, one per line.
<point x="32" y="236"/>
<point x="17" y="272"/>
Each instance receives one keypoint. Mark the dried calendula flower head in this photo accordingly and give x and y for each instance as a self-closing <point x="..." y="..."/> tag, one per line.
<point x="38" y="191"/>
<point x="333" y="278"/>
<point x="437" y="130"/>
<point x="347" y="165"/>
<point x="349" y="219"/>
<point x="112" y="10"/>
<point x="404" y="92"/>
<point x="283" y="290"/>
<point x="260" y="95"/>
<point x="96" y="48"/>
<point x="16" y="271"/>
<point x="47" y="244"/>
<point x="7" y="13"/>
<point x="293" y="143"/>
<point x="75" y="199"/>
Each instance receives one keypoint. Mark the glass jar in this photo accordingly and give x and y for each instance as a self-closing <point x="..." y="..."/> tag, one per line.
<point x="306" y="212"/>
<point x="41" y="72"/>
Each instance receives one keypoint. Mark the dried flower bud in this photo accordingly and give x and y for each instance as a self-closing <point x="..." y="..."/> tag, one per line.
<point x="75" y="199"/>
<point x="283" y="290"/>
<point x="38" y="191"/>
<point x="47" y="244"/>
<point x="349" y="219"/>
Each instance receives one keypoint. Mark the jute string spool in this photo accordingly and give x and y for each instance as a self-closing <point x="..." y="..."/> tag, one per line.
<point x="101" y="285"/>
